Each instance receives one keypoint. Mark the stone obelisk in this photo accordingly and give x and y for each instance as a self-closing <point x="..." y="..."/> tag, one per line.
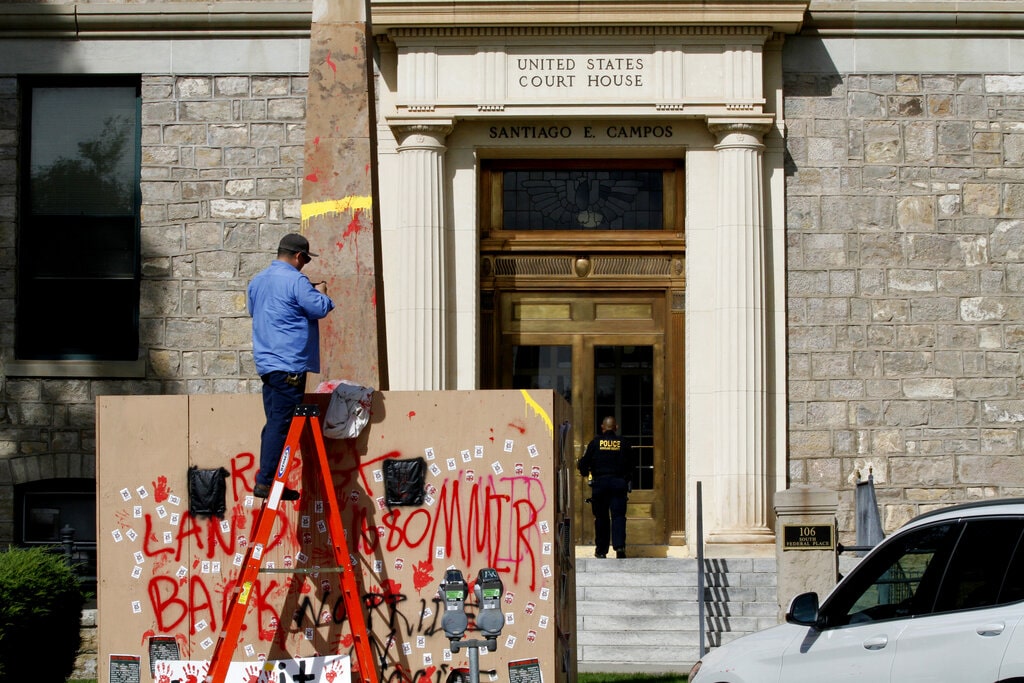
<point x="340" y="215"/>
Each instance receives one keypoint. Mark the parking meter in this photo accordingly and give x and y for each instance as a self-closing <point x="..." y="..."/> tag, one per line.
<point x="453" y="593"/>
<point x="488" y="590"/>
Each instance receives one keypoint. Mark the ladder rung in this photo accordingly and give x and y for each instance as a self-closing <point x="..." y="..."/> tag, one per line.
<point x="302" y="570"/>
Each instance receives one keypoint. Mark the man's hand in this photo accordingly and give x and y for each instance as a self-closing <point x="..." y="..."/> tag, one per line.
<point x="321" y="286"/>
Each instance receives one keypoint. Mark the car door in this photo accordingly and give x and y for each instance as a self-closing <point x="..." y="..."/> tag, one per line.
<point x="863" y="619"/>
<point x="969" y="629"/>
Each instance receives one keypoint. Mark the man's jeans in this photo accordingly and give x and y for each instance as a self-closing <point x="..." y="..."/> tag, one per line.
<point x="282" y="391"/>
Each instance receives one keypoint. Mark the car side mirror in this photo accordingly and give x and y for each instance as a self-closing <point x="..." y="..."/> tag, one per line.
<point x="803" y="610"/>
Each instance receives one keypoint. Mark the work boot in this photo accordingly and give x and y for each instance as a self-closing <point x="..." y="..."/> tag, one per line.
<point x="262" y="491"/>
<point x="599" y="555"/>
<point x="620" y="553"/>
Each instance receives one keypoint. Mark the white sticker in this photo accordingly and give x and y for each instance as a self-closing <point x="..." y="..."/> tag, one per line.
<point x="510" y="642"/>
<point x="136" y="607"/>
<point x="321" y="526"/>
<point x="439" y="552"/>
<point x="136" y="571"/>
<point x="257" y="551"/>
<point x="509" y="444"/>
<point x="467" y="456"/>
<point x="378" y="475"/>
<point x="533" y="450"/>
<point x="484" y="649"/>
<point x="478" y="451"/>
<point x="161" y="511"/>
<point x="205" y="567"/>
<point x="182" y="572"/>
<point x="492" y="675"/>
<point x="428" y="659"/>
<point x="205" y="643"/>
<point x="126" y="495"/>
<point x="544" y="526"/>
<point x="215" y="567"/>
<point x="428" y="499"/>
<point x="116" y="533"/>
<point x="446" y="655"/>
<point x="225" y="526"/>
<point x="421" y="642"/>
<point x="318" y="506"/>
<point x="407" y="648"/>
<point x="305" y="521"/>
<point x="175" y="518"/>
<point x="510" y="618"/>
<point x="427" y="612"/>
<point x="237" y="561"/>
<point x="543" y="622"/>
<point x="429" y="452"/>
<point x="137" y="512"/>
<point x="249" y="650"/>
<point x="270" y="564"/>
<point x="381" y="504"/>
<point x="496" y="466"/>
<point x="451" y="463"/>
<point x="434" y="469"/>
<point x="142" y="492"/>
<point x="131" y="534"/>
<point x="545" y="548"/>
<point x="378" y="566"/>
<point x="545" y="570"/>
<point x="200" y="626"/>
<point x="309" y="633"/>
<point x="174" y="500"/>
<point x="545" y="593"/>
<point x="300" y="558"/>
<point x="139" y="557"/>
<point x="168" y="538"/>
<point x="250" y="501"/>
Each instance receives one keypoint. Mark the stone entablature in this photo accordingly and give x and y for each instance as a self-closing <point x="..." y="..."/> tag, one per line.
<point x="537" y="71"/>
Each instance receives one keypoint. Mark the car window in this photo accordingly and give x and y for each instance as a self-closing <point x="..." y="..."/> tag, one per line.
<point x="978" y="565"/>
<point x="899" y="580"/>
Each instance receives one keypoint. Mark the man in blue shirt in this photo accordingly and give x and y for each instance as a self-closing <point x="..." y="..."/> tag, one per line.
<point x="285" y="308"/>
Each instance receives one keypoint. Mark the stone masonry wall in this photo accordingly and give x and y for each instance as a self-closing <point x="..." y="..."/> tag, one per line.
<point x="221" y="182"/>
<point x="905" y="257"/>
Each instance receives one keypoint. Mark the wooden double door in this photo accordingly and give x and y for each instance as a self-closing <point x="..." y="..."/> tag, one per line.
<point x="605" y="354"/>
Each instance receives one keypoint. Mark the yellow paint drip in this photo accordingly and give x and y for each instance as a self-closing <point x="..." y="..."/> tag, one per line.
<point x="540" y="411"/>
<point x="334" y="207"/>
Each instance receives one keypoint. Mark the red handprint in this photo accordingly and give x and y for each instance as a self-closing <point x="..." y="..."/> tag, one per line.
<point x="160" y="490"/>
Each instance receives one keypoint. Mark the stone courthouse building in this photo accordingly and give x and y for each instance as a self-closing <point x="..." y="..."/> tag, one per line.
<point x="782" y="241"/>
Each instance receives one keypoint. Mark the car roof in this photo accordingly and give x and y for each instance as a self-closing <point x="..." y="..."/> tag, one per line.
<point x="979" y="508"/>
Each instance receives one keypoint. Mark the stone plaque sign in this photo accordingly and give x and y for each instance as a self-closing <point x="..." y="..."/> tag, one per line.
<point x="808" y="537"/>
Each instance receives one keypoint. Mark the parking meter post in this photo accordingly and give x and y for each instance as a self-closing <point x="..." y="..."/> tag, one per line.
<point x="488" y="590"/>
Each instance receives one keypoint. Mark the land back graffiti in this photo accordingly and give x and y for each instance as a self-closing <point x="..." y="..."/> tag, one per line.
<point x="487" y="499"/>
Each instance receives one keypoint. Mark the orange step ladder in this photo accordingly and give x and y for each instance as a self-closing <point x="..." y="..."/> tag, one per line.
<point x="304" y="435"/>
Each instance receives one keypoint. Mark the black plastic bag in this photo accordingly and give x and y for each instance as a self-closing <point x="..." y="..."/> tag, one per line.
<point x="207" y="492"/>
<point x="404" y="481"/>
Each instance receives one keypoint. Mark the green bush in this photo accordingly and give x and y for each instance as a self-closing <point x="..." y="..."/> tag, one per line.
<point x="40" y="614"/>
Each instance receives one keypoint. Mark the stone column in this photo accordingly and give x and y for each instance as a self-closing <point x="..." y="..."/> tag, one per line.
<point x="741" y="443"/>
<point x="809" y="569"/>
<point x="418" y="344"/>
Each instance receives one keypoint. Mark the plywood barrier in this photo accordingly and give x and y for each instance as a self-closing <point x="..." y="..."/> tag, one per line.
<point x="498" y="473"/>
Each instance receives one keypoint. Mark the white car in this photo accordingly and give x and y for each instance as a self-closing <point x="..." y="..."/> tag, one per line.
<point x="942" y="599"/>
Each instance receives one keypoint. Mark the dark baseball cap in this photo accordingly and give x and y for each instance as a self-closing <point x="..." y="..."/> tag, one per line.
<point x="295" y="243"/>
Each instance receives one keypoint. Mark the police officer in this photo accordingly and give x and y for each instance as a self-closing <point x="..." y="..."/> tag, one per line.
<point x="609" y="459"/>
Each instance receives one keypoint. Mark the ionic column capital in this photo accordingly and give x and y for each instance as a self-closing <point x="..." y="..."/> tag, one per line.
<point x="421" y="132"/>
<point x="744" y="131"/>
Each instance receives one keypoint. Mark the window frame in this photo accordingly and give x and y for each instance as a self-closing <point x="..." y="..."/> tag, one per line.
<point x="493" y="235"/>
<point x="87" y="360"/>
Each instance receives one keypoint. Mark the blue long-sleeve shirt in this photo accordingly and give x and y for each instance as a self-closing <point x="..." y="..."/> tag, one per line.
<point x="285" y="310"/>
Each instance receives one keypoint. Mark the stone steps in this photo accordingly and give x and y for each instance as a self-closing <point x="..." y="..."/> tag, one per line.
<point x="642" y="614"/>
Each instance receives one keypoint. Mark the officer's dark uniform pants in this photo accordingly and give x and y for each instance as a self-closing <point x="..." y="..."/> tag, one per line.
<point x="608" y="501"/>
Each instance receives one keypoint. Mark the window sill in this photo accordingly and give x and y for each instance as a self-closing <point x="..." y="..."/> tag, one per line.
<point x="76" y="368"/>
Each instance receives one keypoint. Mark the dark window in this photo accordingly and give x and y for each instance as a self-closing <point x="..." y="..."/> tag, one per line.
<point x="60" y="514"/>
<point x="977" y="569"/>
<point x="581" y="195"/>
<point x="78" y="238"/>
<point x="901" y="580"/>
